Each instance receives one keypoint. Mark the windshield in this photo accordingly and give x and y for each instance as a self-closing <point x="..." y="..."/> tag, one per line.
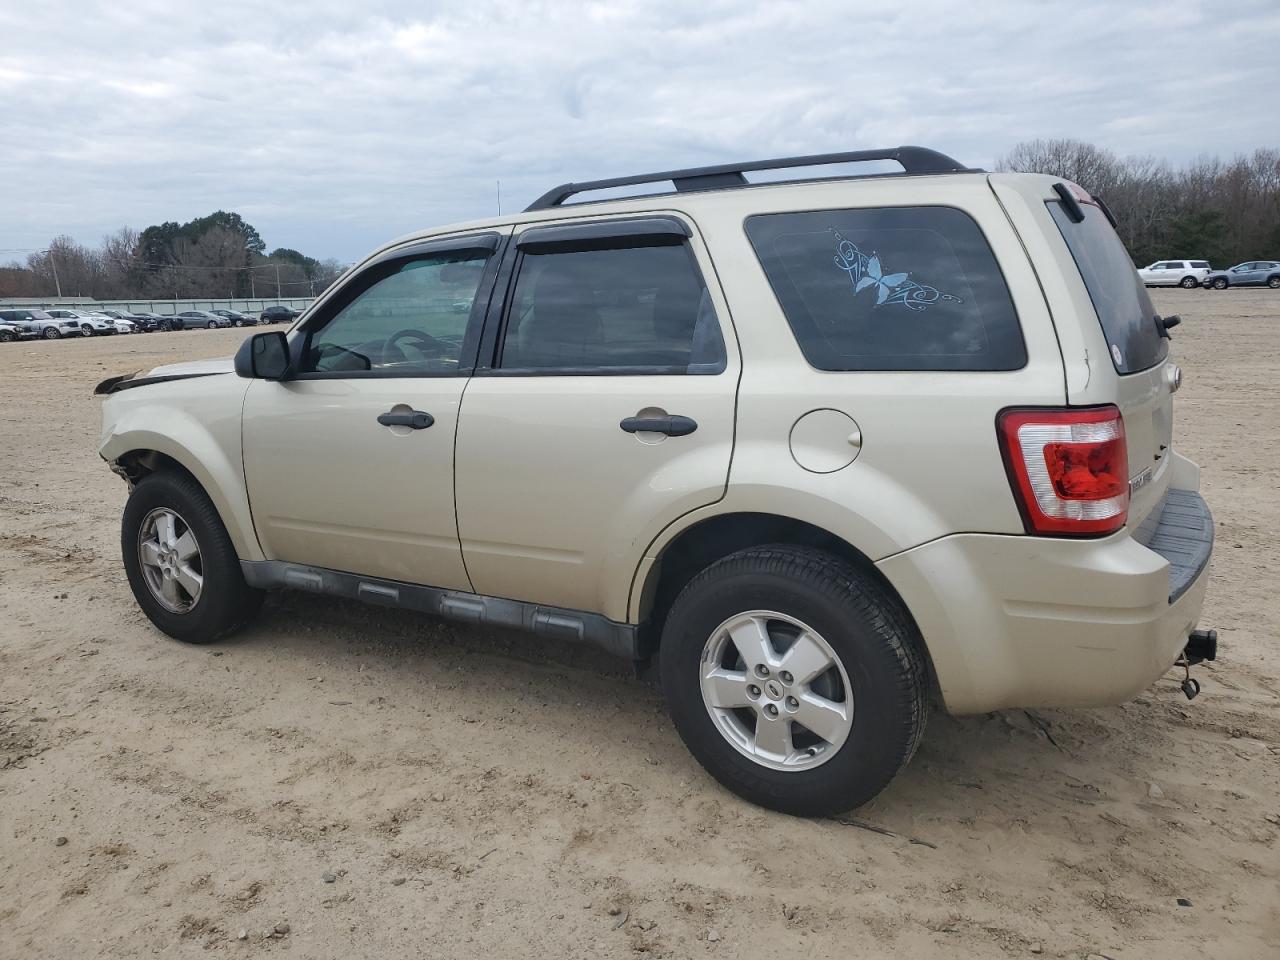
<point x="1120" y="299"/>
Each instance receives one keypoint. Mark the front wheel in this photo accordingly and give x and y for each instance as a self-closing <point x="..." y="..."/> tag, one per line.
<point x="1189" y="283"/>
<point x="7" y="336"/>
<point x="86" y="331"/>
<point x="1220" y="283"/>
<point x="181" y="564"/>
<point x="795" y="678"/>
<point x="1273" y="283"/>
<point x="52" y="333"/>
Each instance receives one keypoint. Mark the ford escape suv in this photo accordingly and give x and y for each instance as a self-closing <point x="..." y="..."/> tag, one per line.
<point x="822" y="451"/>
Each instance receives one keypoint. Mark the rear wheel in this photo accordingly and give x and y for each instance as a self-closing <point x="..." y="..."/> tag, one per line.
<point x="795" y="678"/>
<point x="1220" y="283"/>
<point x="180" y="561"/>
<point x="1188" y="283"/>
<point x="6" y="336"/>
<point x="1273" y="283"/>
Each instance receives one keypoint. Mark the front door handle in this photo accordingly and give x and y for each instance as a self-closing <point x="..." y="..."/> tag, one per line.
<point x="416" y="419"/>
<point x="672" y="426"/>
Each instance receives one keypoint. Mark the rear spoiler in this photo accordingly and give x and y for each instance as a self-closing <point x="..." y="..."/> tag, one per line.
<point x="1071" y="201"/>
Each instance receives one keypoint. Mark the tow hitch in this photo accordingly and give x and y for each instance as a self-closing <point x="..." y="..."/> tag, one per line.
<point x="1201" y="645"/>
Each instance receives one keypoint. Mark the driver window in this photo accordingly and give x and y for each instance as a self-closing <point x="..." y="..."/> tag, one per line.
<point x="411" y="319"/>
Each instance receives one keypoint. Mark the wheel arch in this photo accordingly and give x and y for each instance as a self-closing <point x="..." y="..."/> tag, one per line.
<point x="700" y="544"/>
<point x="136" y="453"/>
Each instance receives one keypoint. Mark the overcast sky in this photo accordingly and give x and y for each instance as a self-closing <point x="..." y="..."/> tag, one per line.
<point x="332" y="126"/>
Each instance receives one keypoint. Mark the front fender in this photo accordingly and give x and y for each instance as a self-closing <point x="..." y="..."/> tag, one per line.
<point x="162" y="418"/>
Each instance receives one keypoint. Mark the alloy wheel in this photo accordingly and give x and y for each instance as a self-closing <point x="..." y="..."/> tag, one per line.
<point x="776" y="690"/>
<point x="170" y="559"/>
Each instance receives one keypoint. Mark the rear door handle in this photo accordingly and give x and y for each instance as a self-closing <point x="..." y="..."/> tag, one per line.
<point x="416" y="419"/>
<point x="672" y="426"/>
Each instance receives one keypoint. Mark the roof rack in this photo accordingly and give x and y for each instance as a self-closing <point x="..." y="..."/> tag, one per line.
<point x="914" y="160"/>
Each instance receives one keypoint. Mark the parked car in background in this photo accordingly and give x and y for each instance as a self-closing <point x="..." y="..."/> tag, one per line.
<point x="279" y="314"/>
<point x="121" y="324"/>
<point x="41" y="324"/>
<point x="146" y="322"/>
<point x="236" y="318"/>
<point x="90" y="324"/>
<point x="1175" y="273"/>
<point x="10" y="332"/>
<point x="136" y="323"/>
<point x="154" y="321"/>
<point x="195" y="319"/>
<point x="1254" y="273"/>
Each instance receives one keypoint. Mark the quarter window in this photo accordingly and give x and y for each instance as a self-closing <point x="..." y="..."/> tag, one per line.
<point x="626" y="305"/>
<point x="410" y="318"/>
<point x="893" y="288"/>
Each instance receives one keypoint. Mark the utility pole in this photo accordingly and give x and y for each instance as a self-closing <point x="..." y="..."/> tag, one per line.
<point x="53" y="265"/>
<point x="277" y="283"/>
<point x="499" y="198"/>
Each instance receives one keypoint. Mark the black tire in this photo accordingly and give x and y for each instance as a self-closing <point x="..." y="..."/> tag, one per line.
<point x="1219" y="283"/>
<point x="871" y="635"/>
<point x="226" y="603"/>
<point x="6" y="336"/>
<point x="211" y="325"/>
<point x="86" y="331"/>
<point x="52" y="333"/>
<point x="1273" y="282"/>
<point x="1189" y="283"/>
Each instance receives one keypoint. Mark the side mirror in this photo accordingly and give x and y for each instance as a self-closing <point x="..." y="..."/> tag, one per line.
<point x="264" y="356"/>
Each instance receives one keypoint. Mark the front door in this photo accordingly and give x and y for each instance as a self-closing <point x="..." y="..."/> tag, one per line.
<point x="349" y="461"/>
<point x="602" y="412"/>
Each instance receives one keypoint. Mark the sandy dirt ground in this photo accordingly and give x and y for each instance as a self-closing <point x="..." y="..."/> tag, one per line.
<point x="345" y="782"/>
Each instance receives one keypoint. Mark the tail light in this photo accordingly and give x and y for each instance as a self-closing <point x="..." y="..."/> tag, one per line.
<point x="1069" y="468"/>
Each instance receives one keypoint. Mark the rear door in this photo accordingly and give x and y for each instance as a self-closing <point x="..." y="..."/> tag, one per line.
<point x="601" y="409"/>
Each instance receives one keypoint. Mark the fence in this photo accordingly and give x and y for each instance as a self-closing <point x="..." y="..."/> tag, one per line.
<point x="250" y="305"/>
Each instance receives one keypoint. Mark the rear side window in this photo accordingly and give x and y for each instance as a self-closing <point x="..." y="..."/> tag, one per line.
<point x="1119" y="297"/>
<point x="1200" y="264"/>
<point x="891" y="288"/>
<point x="613" y="310"/>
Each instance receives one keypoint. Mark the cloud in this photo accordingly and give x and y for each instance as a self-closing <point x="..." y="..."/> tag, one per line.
<point x="333" y="126"/>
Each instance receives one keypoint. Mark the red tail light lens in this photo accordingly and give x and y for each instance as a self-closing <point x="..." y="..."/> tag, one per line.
<point x="1069" y="468"/>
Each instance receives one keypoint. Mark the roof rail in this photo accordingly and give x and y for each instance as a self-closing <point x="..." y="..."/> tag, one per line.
<point x="914" y="160"/>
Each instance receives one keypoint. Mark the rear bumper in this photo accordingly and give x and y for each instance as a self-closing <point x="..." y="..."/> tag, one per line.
<point x="1015" y="621"/>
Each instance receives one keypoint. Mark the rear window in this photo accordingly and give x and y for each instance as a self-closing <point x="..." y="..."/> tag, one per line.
<point x="1200" y="264"/>
<point x="1119" y="297"/>
<point x="891" y="288"/>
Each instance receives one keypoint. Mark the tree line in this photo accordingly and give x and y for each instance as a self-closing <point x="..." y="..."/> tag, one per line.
<point x="1225" y="212"/>
<point x="219" y="256"/>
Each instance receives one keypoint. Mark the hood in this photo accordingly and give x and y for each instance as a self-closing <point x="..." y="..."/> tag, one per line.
<point x="166" y="373"/>
<point x="193" y="368"/>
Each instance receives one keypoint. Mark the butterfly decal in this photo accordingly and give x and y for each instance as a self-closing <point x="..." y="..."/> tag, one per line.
<point x="866" y="272"/>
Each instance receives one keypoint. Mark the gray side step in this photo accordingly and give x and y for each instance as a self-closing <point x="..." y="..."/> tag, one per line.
<point x="620" y="639"/>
